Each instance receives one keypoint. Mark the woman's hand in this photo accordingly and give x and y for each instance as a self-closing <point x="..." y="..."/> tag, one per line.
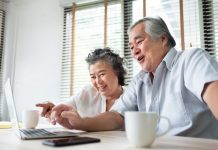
<point x="46" y="109"/>
<point x="58" y="115"/>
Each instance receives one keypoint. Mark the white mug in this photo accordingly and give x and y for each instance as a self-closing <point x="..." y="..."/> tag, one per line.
<point x="141" y="127"/>
<point x="30" y="118"/>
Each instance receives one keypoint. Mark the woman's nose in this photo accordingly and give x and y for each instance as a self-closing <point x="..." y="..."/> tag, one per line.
<point x="98" y="80"/>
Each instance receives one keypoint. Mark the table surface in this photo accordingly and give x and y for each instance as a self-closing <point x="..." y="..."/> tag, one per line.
<point x="109" y="140"/>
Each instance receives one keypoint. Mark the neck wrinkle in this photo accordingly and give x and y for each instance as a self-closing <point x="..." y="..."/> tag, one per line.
<point x="116" y="95"/>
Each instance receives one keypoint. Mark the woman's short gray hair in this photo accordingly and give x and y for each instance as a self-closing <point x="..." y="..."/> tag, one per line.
<point x="155" y="27"/>
<point x="114" y="60"/>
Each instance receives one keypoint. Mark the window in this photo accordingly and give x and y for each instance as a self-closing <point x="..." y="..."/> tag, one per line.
<point x="197" y="26"/>
<point x="89" y="34"/>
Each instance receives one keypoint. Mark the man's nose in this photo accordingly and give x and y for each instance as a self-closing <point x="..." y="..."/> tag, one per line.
<point x="135" y="50"/>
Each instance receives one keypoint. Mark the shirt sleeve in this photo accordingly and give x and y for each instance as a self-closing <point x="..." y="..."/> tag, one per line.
<point x="73" y="100"/>
<point x="128" y="100"/>
<point x="200" y="68"/>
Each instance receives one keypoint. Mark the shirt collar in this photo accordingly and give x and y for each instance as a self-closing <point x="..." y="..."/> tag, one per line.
<point x="143" y="76"/>
<point x="169" y="58"/>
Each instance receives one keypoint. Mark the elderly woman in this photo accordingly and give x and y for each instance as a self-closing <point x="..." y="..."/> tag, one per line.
<point x="107" y="78"/>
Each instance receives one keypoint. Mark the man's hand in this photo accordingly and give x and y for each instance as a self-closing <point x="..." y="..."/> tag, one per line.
<point x="56" y="115"/>
<point x="73" y="118"/>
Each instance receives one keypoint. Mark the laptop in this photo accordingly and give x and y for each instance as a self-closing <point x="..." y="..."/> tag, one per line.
<point x="28" y="134"/>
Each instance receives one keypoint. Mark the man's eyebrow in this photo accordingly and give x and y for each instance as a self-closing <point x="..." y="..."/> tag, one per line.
<point x="102" y="71"/>
<point x="135" y="38"/>
<point x="138" y="37"/>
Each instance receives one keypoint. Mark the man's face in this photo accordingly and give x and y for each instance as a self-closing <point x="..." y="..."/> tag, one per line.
<point x="148" y="52"/>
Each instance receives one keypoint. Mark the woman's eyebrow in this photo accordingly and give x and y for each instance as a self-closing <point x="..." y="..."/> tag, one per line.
<point x="103" y="70"/>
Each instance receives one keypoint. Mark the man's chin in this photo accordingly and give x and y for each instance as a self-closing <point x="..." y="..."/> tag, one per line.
<point x="145" y="69"/>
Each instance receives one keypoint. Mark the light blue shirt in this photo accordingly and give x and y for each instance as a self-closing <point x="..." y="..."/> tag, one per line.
<point x="175" y="93"/>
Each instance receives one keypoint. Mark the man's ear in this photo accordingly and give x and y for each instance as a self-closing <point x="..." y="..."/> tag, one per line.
<point x="164" y="40"/>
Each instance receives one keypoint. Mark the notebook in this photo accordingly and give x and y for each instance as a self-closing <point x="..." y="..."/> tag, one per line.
<point x="28" y="134"/>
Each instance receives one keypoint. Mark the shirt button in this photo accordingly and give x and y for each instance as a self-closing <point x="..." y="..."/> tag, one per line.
<point x="155" y="98"/>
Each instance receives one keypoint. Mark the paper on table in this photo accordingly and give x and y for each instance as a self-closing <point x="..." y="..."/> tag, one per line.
<point x="5" y="125"/>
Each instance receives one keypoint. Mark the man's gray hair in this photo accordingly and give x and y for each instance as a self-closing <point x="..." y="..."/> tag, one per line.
<point x="155" y="27"/>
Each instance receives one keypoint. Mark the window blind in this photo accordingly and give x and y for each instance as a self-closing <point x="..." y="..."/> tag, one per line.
<point x="127" y="21"/>
<point x="66" y="59"/>
<point x="2" y="28"/>
<point x="215" y="20"/>
<point x="192" y="24"/>
<point x="87" y="18"/>
<point x="137" y="13"/>
<point x="200" y="23"/>
<point x="209" y="27"/>
<point x="89" y="35"/>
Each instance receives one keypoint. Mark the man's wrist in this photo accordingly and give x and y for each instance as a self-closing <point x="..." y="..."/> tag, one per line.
<point x="83" y="124"/>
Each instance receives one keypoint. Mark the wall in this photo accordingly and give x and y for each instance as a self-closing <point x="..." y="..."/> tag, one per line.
<point x="35" y="56"/>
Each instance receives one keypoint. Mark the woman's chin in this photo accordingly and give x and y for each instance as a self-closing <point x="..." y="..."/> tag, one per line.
<point x="104" y="93"/>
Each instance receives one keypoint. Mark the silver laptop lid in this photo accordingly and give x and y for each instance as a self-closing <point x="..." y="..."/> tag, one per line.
<point x="11" y="107"/>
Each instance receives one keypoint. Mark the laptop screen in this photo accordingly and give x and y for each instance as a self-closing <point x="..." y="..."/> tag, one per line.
<point x="11" y="106"/>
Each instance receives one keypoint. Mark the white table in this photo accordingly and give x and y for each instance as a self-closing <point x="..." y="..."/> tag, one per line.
<point x="110" y="140"/>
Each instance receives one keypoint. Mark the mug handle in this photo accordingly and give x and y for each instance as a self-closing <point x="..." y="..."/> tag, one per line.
<point x="169" y="125"/>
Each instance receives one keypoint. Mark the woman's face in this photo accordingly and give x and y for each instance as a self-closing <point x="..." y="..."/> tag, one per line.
<point x="103" y="77"/>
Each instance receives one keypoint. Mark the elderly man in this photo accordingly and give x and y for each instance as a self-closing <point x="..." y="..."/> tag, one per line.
<point x="182" y="86"/>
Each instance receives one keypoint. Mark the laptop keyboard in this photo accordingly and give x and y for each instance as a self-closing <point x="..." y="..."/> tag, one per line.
<point x="36" y="132"/>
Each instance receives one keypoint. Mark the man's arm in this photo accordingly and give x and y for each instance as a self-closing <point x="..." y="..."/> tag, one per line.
<point x="210" y="96"/>
<point x="103" y="122"/>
